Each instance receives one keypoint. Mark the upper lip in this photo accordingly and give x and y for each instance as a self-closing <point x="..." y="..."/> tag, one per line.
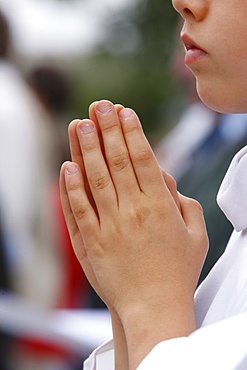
<point x="189" y="43"/>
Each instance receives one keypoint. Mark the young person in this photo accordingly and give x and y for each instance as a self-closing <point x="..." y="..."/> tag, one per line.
<point x="140" y="242"/>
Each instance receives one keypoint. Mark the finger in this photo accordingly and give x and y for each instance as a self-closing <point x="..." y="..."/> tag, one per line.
<point x="74" y="142"/>
<point x="92" y="114"/>
<point x="74" y="233"/>
<point x="116" y="151"/>
<point x="92" y="107"/>
<point x="77" y="157"/>
<point x="145" y="165"/>
<point x="93" y="117"/>
<point x="71" y="223"/>
<point x="119" y="107"/>
<point x="75" y="149"/>
<point x="83" y="212"/>
<point x="96" y="170"/>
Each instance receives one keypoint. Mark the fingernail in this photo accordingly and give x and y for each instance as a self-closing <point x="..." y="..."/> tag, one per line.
<point x="126" y="113"/>
<point x="104" y="107"/>
<point x="86" y="128"/>
<point x="71" y="168"/>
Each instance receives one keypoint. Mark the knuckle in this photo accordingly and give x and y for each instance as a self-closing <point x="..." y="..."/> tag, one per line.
<point x="90" y="146"/>
<point x="171" y="182"/>
<point x="109" y="126"/>
<point x="142" y="156"/>
<point x="194" y="203"/>
<point x="73" y="186"/>
<point x="99" y="181"/>
<point x="119" y="162"/>
<point x="80" y="212"/>
<point x="139" y="215"/>
<point x="133" y="126"/>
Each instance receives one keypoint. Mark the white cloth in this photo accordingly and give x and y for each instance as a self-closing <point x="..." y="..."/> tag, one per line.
<point x="220" y="342"/>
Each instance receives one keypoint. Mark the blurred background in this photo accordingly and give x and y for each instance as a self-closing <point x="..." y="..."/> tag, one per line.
<point x="56" y="57"/>
<point x="112" y="49"/>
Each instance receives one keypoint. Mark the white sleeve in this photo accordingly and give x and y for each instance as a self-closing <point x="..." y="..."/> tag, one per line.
<point x="218" y="346"/>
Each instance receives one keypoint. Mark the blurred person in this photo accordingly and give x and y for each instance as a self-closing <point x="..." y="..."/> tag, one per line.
<point x="202" y="179"/>
<point x="28" y="164"/>
<point x="52" y="86"/>
<point x="24" y="127"/>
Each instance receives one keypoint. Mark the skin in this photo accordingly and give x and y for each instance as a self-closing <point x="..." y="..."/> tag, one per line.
<point x="128" y="223"/>
<point x="220" y="29"/>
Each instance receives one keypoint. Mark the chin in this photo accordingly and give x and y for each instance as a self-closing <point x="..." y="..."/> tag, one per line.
<point x="222" y="103"/>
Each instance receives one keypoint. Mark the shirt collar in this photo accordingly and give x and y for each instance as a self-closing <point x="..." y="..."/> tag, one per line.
<point x="232" y="195"/>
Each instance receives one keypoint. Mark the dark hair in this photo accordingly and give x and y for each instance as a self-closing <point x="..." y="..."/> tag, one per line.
<point x="4" y="35"/>
<point x="52" y="86"/>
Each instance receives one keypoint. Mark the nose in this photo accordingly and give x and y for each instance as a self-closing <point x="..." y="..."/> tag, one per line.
<point x="196" y="9"/>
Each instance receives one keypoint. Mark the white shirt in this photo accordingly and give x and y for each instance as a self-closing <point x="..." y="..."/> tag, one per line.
<point x="220" y="342"/>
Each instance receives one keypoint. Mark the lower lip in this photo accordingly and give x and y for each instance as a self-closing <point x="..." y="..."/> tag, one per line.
<point x="193" y="55"/>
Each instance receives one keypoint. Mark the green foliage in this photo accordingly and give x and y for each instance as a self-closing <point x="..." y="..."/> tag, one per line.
<point x="141" y="78"/>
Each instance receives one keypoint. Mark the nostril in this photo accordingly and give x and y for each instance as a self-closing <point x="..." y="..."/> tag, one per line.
<point x="198" y="9"/>
<point x="187" y="11"/>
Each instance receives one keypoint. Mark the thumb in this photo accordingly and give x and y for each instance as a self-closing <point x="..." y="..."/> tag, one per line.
<point x="172" y="187"/>
<point x="192" y="213"/>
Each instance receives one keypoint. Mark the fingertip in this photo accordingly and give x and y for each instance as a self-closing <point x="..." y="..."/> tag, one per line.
<point x="126" y="113"/>
<point x="62" y="186"/>
<point x="118" y="107"/>
<point x="92" y="106"/>
<point x="103" y="107"/>
<point x="93" y="103"/>
<point x="62" y="168"/>
<point x="68" y="169"/>
<point x="73" y="124"/>
<point x="71" y="168"/>
<point x="85" y="126"/>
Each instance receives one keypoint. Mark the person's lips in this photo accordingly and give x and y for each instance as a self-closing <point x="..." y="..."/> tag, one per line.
<point x="193" y="51"/>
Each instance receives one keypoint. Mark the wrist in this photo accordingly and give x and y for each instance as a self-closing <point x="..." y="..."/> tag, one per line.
<point x="146" y="326"/>
<point x="120" y="344"/>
